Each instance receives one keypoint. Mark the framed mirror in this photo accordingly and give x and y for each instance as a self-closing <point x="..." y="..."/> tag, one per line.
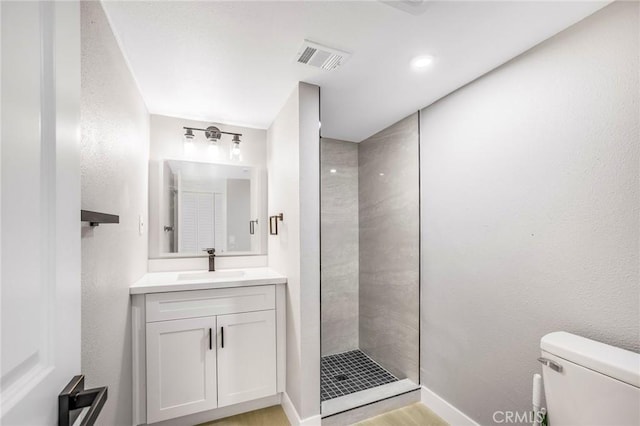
<point x="203" y="205"/>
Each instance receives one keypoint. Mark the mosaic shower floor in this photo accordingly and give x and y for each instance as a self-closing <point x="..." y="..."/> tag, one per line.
<point x="349" y="372"/>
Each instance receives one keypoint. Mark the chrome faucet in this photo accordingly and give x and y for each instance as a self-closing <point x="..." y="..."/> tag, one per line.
<point x="212" y="259"/>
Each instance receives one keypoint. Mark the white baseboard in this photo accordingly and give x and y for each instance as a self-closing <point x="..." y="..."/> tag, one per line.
<point x="292" y="414"/>
<point x="444" y="409"/>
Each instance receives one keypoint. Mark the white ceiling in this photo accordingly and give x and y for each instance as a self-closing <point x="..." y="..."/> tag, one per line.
<point x="234" y="62"/>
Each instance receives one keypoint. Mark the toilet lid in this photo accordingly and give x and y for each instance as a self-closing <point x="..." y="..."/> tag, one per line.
<point x="609" y="360"/>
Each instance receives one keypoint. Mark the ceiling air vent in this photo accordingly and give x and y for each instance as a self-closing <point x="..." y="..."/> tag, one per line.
<point x="319" y="56"/>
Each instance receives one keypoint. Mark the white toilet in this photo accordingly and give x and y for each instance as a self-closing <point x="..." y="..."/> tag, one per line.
<point x="589" y="383"/>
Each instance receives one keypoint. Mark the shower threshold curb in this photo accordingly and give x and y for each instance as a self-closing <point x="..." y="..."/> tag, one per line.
<point x="367" y="396"/>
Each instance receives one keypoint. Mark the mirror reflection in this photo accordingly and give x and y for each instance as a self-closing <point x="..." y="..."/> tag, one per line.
<point x="207" y="205"/>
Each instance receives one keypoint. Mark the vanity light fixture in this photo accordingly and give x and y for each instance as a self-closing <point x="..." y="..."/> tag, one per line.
<point x="213" y="135"/>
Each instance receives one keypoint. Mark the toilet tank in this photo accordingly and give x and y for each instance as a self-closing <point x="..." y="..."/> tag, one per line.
<point x="596" y="384"/>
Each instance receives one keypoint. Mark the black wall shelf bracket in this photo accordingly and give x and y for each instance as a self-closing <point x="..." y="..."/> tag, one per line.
<point x="74" y="398"/>
<point x="96" y="218"/>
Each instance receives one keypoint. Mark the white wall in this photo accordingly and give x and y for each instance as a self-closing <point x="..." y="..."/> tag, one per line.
<point x="238" y="214"/>
<point x="167" y="143"/>
<point x="293" y="148"/>
<point x="309" y="137"/>
<point x="530" y="212"/>
<point x="114" y="159"/>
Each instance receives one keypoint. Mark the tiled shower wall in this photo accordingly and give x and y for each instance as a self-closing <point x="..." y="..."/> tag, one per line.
<point x="339" y="245"/>
<point x="389" y="224"/>
<point x="370" y="247"/>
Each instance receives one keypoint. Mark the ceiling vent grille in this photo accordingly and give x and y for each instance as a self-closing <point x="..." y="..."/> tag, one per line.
<point x="319" y="56"/>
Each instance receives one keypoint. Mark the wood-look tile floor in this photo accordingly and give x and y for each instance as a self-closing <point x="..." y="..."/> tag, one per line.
<point x="270" y="416"/>
<point x="412" y="415"/>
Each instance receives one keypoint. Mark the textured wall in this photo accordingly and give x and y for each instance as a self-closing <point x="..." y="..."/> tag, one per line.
<point x="114" y="158"/>
<point x="284" y="249"/>
<point x="389" y="217"/>
<point x="531" y="212"/>
<point x="339" y="247"/>
<point x="294" y="180"/>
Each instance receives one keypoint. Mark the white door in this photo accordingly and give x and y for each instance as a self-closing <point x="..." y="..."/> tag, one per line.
<point x="246" y="356"/>
<point x="181" y="367"/>
<point x="197" y="215"/>
<point x="206" y="226"/>
<point x="40" y="207"/>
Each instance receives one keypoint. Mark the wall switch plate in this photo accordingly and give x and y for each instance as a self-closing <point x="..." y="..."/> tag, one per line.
<point x="140" y="225"/>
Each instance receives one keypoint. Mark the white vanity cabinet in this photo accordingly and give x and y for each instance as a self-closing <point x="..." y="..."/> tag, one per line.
<point x="204" y="349"/>
<point x="181" y="368"/>
<point x="246" y="356"/>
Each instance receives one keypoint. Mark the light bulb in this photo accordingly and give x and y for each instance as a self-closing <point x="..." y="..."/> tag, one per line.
<point x="235" y="153"/>
<point x="188" y="145"/>
<point x="188" y="136"/>
<point x="212" y="150"/>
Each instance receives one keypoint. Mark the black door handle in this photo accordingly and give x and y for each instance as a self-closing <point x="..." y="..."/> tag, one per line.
<point x="222" y="337"/>
<point x="210" y="339"/>
<point x="74" y="397"/>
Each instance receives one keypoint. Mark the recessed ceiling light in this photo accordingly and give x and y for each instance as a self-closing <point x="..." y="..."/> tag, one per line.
<point x="333" y="170"/>
<point x="420" y="63"/>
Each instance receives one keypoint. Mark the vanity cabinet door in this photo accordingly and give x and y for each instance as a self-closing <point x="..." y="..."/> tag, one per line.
<point x="181" y="367"/>
<point x="246" y="356"/>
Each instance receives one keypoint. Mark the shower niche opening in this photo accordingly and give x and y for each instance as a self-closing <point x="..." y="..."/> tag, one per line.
<point x="370" y="226"/>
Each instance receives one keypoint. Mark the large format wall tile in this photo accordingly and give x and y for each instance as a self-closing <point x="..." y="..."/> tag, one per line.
<point x="389" y="265"/>
<point x="339" y="245"/>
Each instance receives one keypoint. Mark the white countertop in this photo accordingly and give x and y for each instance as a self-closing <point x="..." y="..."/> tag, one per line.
<point x="160" y="282"/>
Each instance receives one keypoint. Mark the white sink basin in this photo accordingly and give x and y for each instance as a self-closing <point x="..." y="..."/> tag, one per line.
<point x="215" y="275"/>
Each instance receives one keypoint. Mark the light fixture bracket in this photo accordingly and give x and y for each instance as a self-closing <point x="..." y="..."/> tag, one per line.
<point x="212" y="133"/>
